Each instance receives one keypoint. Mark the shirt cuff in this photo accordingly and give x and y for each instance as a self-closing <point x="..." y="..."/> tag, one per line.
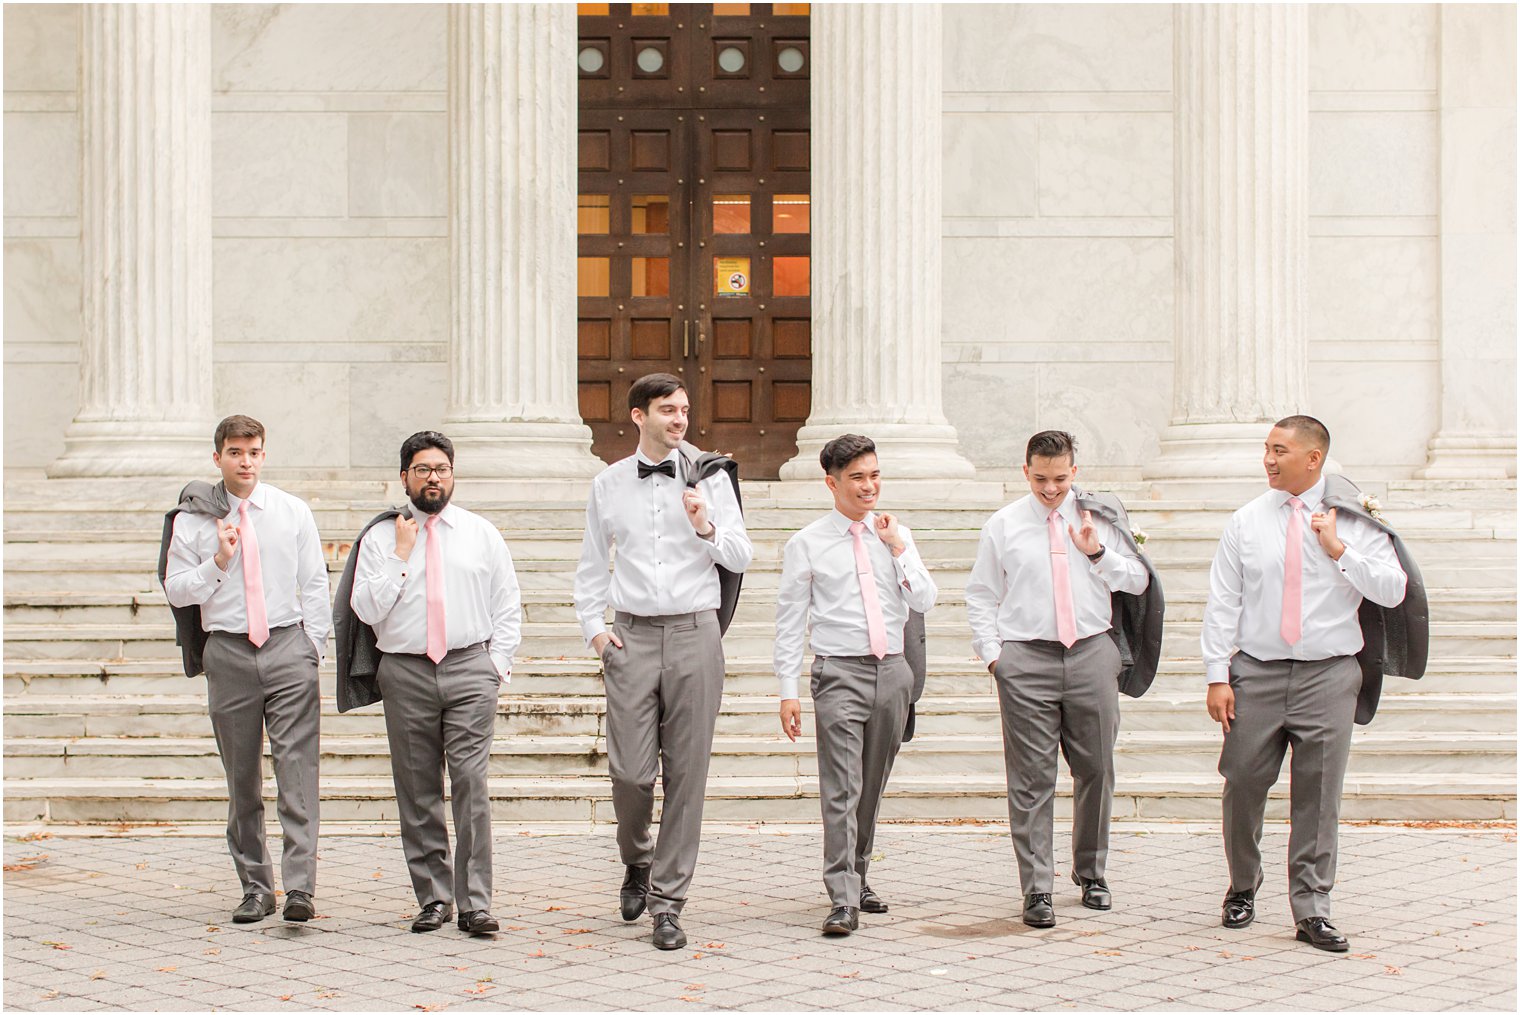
<point x="211" y="574"/>
<point x="591" y="628"/>
<point x="908" y="558"/>
<point x="989" y="651"/>
<point x="395" y="569"/>
<point x="1348" y="556"/>
<point x="1219" y="673"/>
<point x="788" y="687"/>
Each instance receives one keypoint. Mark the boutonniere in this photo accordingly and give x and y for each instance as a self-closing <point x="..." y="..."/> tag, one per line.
<point x="1372" y="507"/>
<point x="1140" y="536"/>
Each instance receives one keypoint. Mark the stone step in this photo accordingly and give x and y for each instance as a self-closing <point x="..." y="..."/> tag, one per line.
<point x="1136" y="753"/>
<point x="1404" y="707"/>
<point x="1160" y="797"/>
<point x="580" y="676"/>
<point x="556" y="606"/>
<point x="753" y="638"/>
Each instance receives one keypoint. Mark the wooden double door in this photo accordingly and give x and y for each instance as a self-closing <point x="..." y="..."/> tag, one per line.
<point x="694" y="220"/>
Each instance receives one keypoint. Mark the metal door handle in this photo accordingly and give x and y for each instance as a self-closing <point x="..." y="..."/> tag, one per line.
<point x="686" y="338"/>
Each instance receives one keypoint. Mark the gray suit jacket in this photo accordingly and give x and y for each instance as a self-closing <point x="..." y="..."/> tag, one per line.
<point x="358" y="656"/>
<point x="1137" y="620"/>
<point x="1396" y="639"/>
<point x="201" y="498"/>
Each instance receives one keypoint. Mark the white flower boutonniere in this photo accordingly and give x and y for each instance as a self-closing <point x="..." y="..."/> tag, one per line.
<point x="1140" y="536"/>
<point x="1372" y="507"/>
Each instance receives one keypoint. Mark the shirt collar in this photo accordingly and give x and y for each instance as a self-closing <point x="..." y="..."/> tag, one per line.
<point x="1067" y="508"/>
<point x="448" y="516"/>
<point x="842" y="523"/>
<point x="1310" y="497"/>
<point x="256" y="497"/>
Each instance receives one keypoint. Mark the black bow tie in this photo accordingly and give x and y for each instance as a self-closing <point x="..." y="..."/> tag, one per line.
<point x="666" y="469"/>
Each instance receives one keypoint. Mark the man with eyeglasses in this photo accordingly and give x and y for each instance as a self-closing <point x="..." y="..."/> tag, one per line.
<point x="444" y="606"/>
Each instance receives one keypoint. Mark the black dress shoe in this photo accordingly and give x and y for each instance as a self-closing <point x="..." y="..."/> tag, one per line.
<point x="668" y="934"/>
<point x="1239" y="910"/>
<point x="870" y="902"/>
<point x="254" y="907"/>
<point x="635" y="892"/>
<point x="842" y="920"/>
<point x="1317" y="931"/>
<point x="433" y="916"/>
<point x="478" y="921"/>
<point x="1095" y="894"/>
<point x="298" y="907"/>
<point x="1038" y="911"/>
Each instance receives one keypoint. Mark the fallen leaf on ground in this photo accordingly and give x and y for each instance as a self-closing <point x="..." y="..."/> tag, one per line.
<point x="1107" y="951"/>
<point x="430" y="1007"/>
<point x="141" y="866"/>
<point x="848" y="976"/>
<point x="1364" y="955"/>
<point x="326" y="994"/>
<point x="212" y="951"/>
<point x="695" y="986"/>
<point x="459" y="969"/>
<point x="167" y="969"/>
<point x="48" y="995"/>
<point x="34" y="836"/>
<point x="691" y="998"/>
<point x="286" y="997"/>
<point x="59" y="945"/>
<point x="536" y="955"/>
<point x="553" y="909"/>
<point x="99" y="974"/>
<point x="479" y="988"/>
<point x="1393" y="970"/>
<point x="576" y="930"/>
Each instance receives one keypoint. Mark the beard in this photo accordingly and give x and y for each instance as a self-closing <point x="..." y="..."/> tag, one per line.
<point x="430" y="505"/>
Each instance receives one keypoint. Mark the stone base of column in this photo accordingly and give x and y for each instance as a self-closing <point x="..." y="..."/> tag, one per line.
<point x="905" y="450"/>
<point x="523" y="450"/>
<point x="1470" y="456"/>
<point x="99" y="448"/>
<point x="1210" y="451"/>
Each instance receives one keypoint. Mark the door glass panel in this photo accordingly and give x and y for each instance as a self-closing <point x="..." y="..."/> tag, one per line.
<point x="650" y="60"/>
<point x="593" y="276"/>
<point x="591" y="60"/>
<point x="731" y="59"/>
<point x="594" y="214"/>
<point x="789" y="59"/>
<point x="730" y="213"/>
<point x="791" y="276"/>
<point x="791" y="214"/>
<point x="651" y="276"/>
<point x="651" y="213"/>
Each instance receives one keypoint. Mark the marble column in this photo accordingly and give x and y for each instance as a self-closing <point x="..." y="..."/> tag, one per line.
<point x="876" y="285"/>
<point x="512" y="408"/>
<point x="145" y="231"/>
<point x="1476" y="439"/>
<point x="1241" y="358"/>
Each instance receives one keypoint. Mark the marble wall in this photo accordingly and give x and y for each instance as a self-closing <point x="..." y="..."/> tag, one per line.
<point x="330" y="193"/>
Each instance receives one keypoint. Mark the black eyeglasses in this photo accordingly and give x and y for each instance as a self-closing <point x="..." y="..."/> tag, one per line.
<point x="425" y="471"/>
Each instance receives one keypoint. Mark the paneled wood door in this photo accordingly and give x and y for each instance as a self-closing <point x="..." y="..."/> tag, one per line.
<point x="695" y="221"/>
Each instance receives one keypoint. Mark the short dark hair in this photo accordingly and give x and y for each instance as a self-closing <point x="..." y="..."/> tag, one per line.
<point x="237" y="426"/>
<point x="424" y="439"/>
<point x="843" y="450"/>
<point x="1051" y="444"/>
<point x="1309" y="428"/>
<point x="651" y="386"/>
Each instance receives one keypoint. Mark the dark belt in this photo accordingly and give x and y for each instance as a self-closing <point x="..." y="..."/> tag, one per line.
<point x="244" y="634"/>
<point x="1056" y="645"/>
<point x="668" y="620"/>
<point x="451" y="652"/>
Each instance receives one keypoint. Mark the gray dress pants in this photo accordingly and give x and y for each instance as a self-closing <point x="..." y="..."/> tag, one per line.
<point x="1310" y="706"/>
<point x="248" y="690"/>
<point x="1053" y="697"/>
<point x="664" y="688"/>
<point x="860" y="705"/>
<point x="436" y="715"/>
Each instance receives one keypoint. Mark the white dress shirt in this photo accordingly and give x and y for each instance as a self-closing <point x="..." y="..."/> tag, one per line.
<point x="481" y="598"/>
<point x="1009" y="596"/>
<point x="663" y="566"/>
<point x="290" y="558"/>
<point x="819" y="588"/>
<point x="1244" y="611"/>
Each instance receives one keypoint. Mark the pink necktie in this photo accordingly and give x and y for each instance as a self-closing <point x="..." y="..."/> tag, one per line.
<point x="437" y="634"/>
<point x="1293" y="576"/>
<point x="1060" y="581"/>
<point x="253" y="580"/>
<point x="876" y="628"/>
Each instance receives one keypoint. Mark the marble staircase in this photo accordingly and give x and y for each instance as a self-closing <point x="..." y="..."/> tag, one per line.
<point x="100" y="724"/>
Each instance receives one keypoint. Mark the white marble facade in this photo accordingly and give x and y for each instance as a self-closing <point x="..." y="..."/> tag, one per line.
<point x="331" y="281"/>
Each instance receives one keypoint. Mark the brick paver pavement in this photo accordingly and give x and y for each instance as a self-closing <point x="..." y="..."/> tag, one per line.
<point x="140" y="922"/>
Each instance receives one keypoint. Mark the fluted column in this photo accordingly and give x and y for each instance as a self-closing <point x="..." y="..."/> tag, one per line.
<point x="1241" y="87"/>
<point x="512" y="360"/>
<point x="1476" y="439"/>
<point x="876" y="282"/>
<point x="145" y="230"/>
